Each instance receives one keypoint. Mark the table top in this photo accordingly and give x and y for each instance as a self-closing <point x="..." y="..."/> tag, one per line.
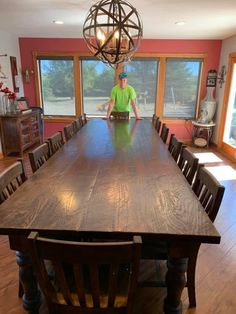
<point x="112" y="177"/>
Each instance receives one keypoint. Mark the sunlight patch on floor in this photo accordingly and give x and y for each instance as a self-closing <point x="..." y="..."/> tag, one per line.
<point x="207" y="158"/>
<point x="223" y="173"/>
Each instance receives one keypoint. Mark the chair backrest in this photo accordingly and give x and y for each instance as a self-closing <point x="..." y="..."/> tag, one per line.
<point x="188" y="164"/>
<point x="154" y="119"/>
<point x="119" y="115"/>
<point x="77" y="125"/>
<point x="209" y="191"/>
<point x="39" y="156"/>
<point x="69" y="131"/>
<point x="164" y="133"/>
<point x="158" y="125"/>
<point x="84" y="117"/>
<point x="10" y="179"/>
<point x="174" y="147"/>
<point x="91" y="280"/>
<point x="56" y="141"/>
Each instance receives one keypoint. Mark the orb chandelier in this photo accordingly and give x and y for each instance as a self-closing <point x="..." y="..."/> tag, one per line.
<point x="112" y="31"/>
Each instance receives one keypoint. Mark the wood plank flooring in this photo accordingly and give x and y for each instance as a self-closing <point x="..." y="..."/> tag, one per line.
<point x="216" y="266"/>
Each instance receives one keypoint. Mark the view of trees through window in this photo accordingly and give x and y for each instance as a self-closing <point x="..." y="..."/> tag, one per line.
<point x="142" y="76"/>
<point x="181" y="88"/>
<point x="57" y="83"/>
<point x="97" y="81"/>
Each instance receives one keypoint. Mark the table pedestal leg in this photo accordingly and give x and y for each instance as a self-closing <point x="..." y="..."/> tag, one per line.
<point x="175" y="282"/>
<point x="31" y="298"/>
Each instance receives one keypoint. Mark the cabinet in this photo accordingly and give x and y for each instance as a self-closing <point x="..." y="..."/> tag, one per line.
<point x="19" y="131"/>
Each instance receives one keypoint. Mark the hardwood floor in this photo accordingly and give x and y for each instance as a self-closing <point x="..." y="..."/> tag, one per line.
<point x="216" y="266"/>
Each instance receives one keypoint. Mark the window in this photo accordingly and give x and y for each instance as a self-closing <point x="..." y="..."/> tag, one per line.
<point x="142" y="76"/>
<point x="72" y="83"/>
<point x="230" y="125"/>
<point x="181" y="88"/>
<point x="97" y="81"/>
<point x="57" y="86"/>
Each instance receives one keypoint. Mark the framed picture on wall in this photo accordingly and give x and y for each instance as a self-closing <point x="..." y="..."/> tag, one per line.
<point x="22" y="103"/>
<point x="14" y="74"/>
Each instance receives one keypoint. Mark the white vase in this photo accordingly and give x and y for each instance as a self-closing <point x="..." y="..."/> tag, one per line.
<point x="4" y="104"/>
<point x="208" y="107"/>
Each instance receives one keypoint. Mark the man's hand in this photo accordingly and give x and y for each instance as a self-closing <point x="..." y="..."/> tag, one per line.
<point x="138" y="118"/>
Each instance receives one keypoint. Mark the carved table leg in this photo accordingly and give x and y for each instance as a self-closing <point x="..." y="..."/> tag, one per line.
<point x="175" y="282"/>
<point x="31" y="297"/>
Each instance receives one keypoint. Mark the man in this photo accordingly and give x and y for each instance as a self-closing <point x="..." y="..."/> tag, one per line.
<point x="121" y="96"/>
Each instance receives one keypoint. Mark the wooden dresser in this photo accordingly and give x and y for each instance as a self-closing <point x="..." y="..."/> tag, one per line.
<point x="19" y="131"/>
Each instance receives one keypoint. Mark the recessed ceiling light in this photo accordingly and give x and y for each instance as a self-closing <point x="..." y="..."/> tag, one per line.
<point x="58" y="22"/>
<point x="180" y="23"/>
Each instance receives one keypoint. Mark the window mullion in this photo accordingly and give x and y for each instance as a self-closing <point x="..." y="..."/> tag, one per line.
<point x="77" y="87"/>
<point x="161" y="87"/>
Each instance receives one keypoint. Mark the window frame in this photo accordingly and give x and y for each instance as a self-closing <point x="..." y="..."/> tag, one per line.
<point x="41" y="58"/>
<point x="160" y="89"/>
<point x="153" y="58"/>
<point x="90" y="58"/>
<point x="227" y="148"/>
<point x="174" y="59"/>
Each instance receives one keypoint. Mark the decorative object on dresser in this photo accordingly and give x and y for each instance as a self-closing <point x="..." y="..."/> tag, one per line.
<point x="7" y="99"/>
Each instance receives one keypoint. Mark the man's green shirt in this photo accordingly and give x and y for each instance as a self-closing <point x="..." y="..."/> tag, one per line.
<point x="122" y="98"/>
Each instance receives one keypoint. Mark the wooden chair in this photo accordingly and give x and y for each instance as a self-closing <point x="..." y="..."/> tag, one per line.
<point x="84" y="116"/>
<point x="79" y="123"/>
<point x="69" y="131"/>
<point x="174" y="147"/>
<point x="91" y="280"/>
<point x="39" y="156"/>
<point x="119" y="115"/>
<point x="154" y="119"/>
<point x="56" y="141"/>
<point x="164" y="133"/>
<point x="158" y="125"/>
<point x="10" y="180"/>
<point x="210" y="193"/>
<point x="188" y="164"/>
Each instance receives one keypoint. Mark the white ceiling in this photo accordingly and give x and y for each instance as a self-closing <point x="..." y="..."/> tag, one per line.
<point x="205" y="19"/>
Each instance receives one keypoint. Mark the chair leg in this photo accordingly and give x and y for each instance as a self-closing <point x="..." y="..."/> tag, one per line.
<point x="20" y="290"/>
<point x="191" y="278"/>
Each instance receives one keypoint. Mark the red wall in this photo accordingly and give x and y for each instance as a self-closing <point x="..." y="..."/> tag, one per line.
<point x="28" y="45"/>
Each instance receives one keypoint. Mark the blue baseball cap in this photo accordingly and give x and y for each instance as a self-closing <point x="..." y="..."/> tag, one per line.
<point x="122" y="75"/>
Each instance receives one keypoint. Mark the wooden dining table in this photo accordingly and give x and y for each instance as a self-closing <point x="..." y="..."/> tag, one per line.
<point x="113" y="179"/>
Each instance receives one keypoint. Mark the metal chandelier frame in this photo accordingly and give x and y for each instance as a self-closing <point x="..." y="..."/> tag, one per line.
<point x="112" y="31"/>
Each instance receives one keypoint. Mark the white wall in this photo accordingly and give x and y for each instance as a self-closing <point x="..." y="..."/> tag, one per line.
<point x="9" y="45"/>
<point x="228" y="46"/>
